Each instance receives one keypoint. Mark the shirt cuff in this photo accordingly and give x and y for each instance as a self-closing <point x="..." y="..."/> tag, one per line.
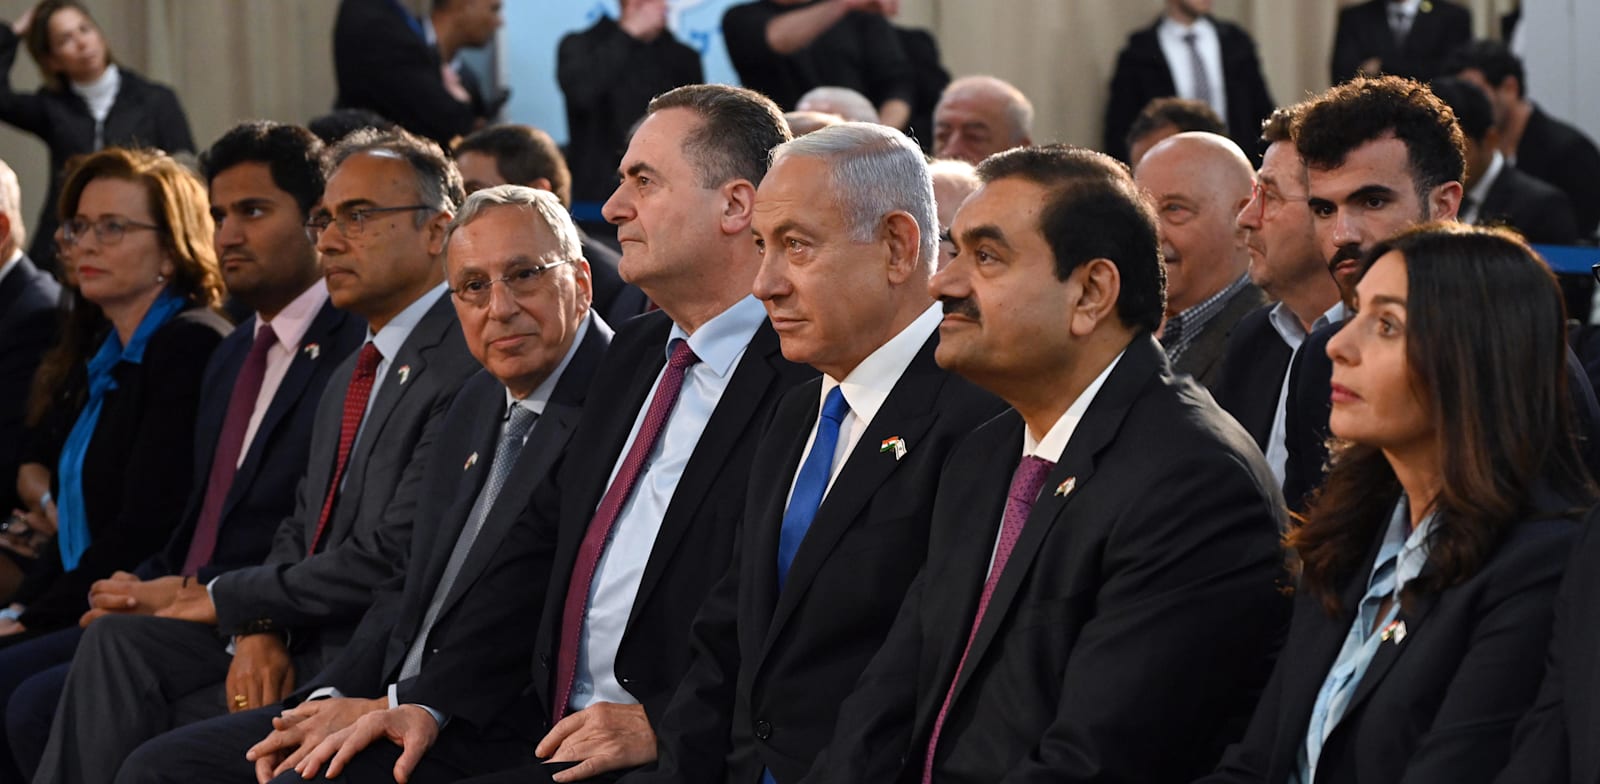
<point x="394" y="702"/>
<point x="325" y="693"/>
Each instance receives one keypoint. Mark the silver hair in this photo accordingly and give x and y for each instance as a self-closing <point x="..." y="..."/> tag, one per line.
<point x="542" y="203"/>
<point x="874" y="170"/>
<point x="1019" y="110"/>
<point x="843" y="101"/>
<point x="11" y="202"/>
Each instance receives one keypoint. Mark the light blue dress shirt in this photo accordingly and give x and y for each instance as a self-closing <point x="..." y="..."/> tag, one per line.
<point x="720" y="343"/>
<point x="1400" y="559"/>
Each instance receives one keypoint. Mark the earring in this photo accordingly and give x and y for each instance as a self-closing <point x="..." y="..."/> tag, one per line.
<point x="160" y="278"/>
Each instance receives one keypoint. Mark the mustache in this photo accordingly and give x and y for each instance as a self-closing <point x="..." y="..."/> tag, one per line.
<point x="1346" y="253"/>
<point x="963" y="306"/>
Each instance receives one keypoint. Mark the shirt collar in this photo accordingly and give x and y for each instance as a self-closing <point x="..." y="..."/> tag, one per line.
<point x="1480" y="190"/>
<point x="1408" y="546"/>
<point x="1055" y="442"/>
<point x="10" y="264"/>
<point x="721" y="341"/>
<point x="1172" y="28"/>
<point x="870" y="383"/>
<point x="540" y="396"/>
<point x="394" y="334"/>
<point x="291" y="323"/>
<point x="1334" y="315"/>
<point x="1287" y="325"/>
<point x="1411" y="7"/>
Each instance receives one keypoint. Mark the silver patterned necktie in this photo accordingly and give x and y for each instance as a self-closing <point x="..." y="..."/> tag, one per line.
<point x="512" y="437"/>
<point x="1197" y="64"/>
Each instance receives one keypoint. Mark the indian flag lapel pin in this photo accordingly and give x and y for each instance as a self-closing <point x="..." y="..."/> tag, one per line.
<point x="897" y="445"/>
<point x="405" y="373"/>
<point x="472" y="460"/>
<point x="1067" y="486"/>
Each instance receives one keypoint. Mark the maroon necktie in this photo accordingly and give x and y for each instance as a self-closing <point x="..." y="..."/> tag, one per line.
<point x="355" y="407"/>
<point x="1025" y="485"/>
<point x="225" y="463"/>
<point x="605" y="518"/>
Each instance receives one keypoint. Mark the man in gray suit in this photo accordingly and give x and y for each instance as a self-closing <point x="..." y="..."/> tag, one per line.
<point x="381" y="233"/>
<point x="1198" y="182"/>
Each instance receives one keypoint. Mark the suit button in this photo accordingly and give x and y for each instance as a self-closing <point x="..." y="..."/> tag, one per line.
<point x="544" y="659"/>
<point x="763" y="730"/>
<point x="625" y="681"/>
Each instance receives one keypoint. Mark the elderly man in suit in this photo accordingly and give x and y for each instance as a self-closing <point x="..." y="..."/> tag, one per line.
<point x="1188" y="53"/>
<point x="28" y="297"/>
<point x="644" y="517"/>
<point x="1103" y="565"/>
<point x="253" y="426"/>
<point x="380" y="232"/>
<point x="1199" y="181"/>
<point x="836" y="521"/>
<point x="522" y="294"/>
<point x="1286" y="264"/>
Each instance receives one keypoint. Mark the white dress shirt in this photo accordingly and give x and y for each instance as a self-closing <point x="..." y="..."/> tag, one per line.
<point x="1472" y="206"/>
<point x="720" y="343"/>
<point x="1170" y="33"/>
<point x="1288" y="327"/>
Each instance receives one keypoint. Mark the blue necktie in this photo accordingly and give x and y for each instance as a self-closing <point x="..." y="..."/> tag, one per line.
<point x="812" y="482"/>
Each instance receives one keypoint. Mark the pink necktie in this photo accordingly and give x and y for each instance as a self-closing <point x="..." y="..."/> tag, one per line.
<point x="1025" y="484"/>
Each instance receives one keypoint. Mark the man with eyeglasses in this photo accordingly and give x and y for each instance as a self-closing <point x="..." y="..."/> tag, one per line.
<point x="1286" y="264"/>
<point x="522" y="293"/>
<point x="380" y="233"/>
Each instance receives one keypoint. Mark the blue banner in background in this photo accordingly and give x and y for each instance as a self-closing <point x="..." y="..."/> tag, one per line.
<point x="534" y="28"/>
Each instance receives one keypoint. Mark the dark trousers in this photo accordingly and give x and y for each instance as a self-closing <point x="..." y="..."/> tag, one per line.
<point x="20" y="664"/>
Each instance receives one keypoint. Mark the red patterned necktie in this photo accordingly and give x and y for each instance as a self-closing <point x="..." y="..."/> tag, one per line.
<point x="605" y="518"/>
<point x="355" y="407"/>
<point x="225" y="463"/>
<point x="1025" y="484"/>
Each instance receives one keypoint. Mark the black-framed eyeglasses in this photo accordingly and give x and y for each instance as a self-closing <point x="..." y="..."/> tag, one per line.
<point x="108" y="229"/>
<point x="352" y="222"/>
<point x="520" y="281"/>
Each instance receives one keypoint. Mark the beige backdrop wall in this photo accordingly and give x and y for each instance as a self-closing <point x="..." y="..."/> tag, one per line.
<point x="232" y="60"/>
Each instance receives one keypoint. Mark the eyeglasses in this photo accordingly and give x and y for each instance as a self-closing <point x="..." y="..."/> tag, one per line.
<point x="108" y="229"/>
<point x="352" y="222"/>
<point x="1262" y="196"/>
<point x="520" y="282"/>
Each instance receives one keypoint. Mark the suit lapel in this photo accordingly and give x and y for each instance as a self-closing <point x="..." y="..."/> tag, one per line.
<point x="765" y="530"/>
<point x="1072" y="476"/>
<point x="907" y="413"/>
<point x="719" y="443"/>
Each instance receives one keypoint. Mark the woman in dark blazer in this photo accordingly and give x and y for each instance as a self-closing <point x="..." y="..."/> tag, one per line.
<point x="1430" y="560"/>
<point x="141" y="235"/>
<point x="87" y="102"/>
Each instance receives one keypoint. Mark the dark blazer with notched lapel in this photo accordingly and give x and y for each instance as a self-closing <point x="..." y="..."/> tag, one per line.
<point x="1253" y="369"/>
<point x="322" y="596"/>
<point x="29" y="323"/>
<point x="773" y="667"/>
<point x="1436" y="30"/>
<point x="1142" y="603"/>
<point x="480" y="642"/>
<point x="696" y="540"/>
<point x="1203" y="358"/>
<point x="263" y="489"/>
<point x="1539" y="211"/>
<point x="1438" y="704"/>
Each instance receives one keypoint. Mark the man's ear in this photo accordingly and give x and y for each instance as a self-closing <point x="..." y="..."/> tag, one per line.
<point x="1444" y="201"/>
<point x="738" y="206"/>
<point x="1099" y="285"/>
<point x="903" y="240"/>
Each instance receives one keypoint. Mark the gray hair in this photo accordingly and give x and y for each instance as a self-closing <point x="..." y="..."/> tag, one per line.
<point x="874" y="170"/>
<point x="545" y="204"/>
<point x="11" y="202"/>
<point x="1019" y="110"/>
<point x="843" y="101"/>
<point x="438" y="181"/>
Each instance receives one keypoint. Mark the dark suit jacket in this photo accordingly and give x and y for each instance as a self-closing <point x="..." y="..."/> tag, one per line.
<point x="614" y="299"/>
<point x="1563" y="156"/>
<point x="262" y="493"/>
<point x="1143" y="75"/>
<point x="1306" y="416"/>
<point x="1536" y="209"/>
<point x="29" y="324"/>
<point x="1140" y="605"/>
<point x="322" y="596"/>
<point x="1555" y="741"/>
<point x="1438" y="28"/>
<point x="383" y="64"/>
<point x="773" y="667"/>
<point x="1439" y="705"/>
<point x="482" y="639"/>
<point x="1203" y="358"/>
<point x="1252" y="374"/>
<point x="696" y="540"/>
<point x="136" y="470"/>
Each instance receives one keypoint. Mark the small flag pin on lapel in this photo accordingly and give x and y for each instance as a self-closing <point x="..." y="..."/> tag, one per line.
<point x="405" y="373"/>
<point x="1395" y="632"/>
<point x="313" y="350"/>
<point x="472" y="460"/>
<point x="896" y="445"/>
<point x="1067" y="485"/>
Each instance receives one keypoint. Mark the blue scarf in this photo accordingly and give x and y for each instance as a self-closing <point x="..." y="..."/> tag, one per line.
<point x="72" y="534"/>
